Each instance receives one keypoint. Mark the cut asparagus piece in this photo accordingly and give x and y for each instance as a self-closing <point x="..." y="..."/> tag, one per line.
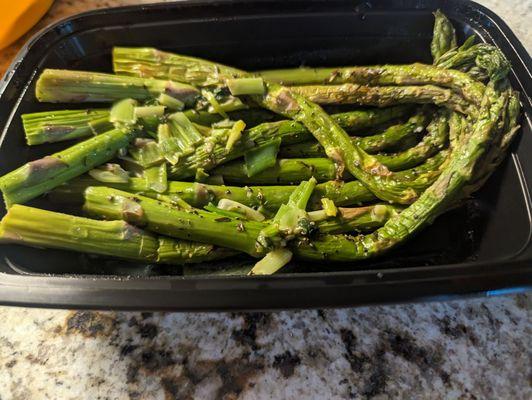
<point x="57" y="126"/>
<point x="248" y="212"/>
<point x="272" y="262"/>
<point x="146" y="152"/>
<point x="166" y="219"/>
<point x="329" y="207"/>
<point x="235" y="133"/>
<point x="178" y="137"/>
<point x="261" y="158"/>
<point x="109" y="173"/>
<point x="156" y="179"/>
<point x="40" y="176"/>
<point x="123" y="113"/>
<point x="245" y="86"/>
<point x="40" y="228"/>
<point x="149" y="111"/>
<point x="170" y="102"/>
<point x="66" y="86"/>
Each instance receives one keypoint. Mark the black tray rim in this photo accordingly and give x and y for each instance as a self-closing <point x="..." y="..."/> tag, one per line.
<point x="167" y="293"/>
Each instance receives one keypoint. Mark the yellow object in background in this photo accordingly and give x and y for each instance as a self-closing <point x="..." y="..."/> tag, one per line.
<point x="18" y="16"/>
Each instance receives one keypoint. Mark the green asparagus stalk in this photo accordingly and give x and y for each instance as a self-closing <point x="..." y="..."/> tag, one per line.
<point x="153" y="63"/>
<point x="497" y="150"/>
<point x="261" y="158"/>
<point x="434" y="141"/>
<point x="390" y="138"/>
<point x="166" y="219"/>
<point x="384" y="96"/>
<point x="443" y="37"/>
<point x="481" y="61"/>
<point x="35" y="227"/>
<point x="40" y="176"/>
<point x="251" y="117"/>
<point x="40" y="228"/>
<point x="287" y="171"/>
<point x="293" y="170"/>
<point x="148" y="62"/>
<point x="56" y="126"/>
<point x="156" y="178"/>
<point x="199" y="194"/>
<point x="59" y="86"/>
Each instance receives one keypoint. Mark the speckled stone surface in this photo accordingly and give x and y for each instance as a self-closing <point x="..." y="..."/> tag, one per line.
<point x="476" y="349"/>
<point x="468" y="349"/>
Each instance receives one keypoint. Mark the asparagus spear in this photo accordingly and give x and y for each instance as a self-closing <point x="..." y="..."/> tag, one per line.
<point x="287" y="171"/>
<point x="213" y="151"/>
<point x="58" y="86"/>
<point x="40" y="176"/>
<point x="392" y="136"/>
<point x="148" y="62"/>
<point x="34" y="227"/>
<point x="384" y="96"/>
<point x="251" y="117"/>
<point x="434" y="141"/>
<point x="199" y="194"/>
<point x="293" y="170"/>
<point x="163" y="218"/>
<point x="443" y="37"/>
<point x="56" y="126"/>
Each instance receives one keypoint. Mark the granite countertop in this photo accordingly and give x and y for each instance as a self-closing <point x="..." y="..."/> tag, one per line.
<point x="467" y="349"/>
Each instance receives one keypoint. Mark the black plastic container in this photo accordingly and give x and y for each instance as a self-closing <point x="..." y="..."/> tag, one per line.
<point x="484" y="247"/>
